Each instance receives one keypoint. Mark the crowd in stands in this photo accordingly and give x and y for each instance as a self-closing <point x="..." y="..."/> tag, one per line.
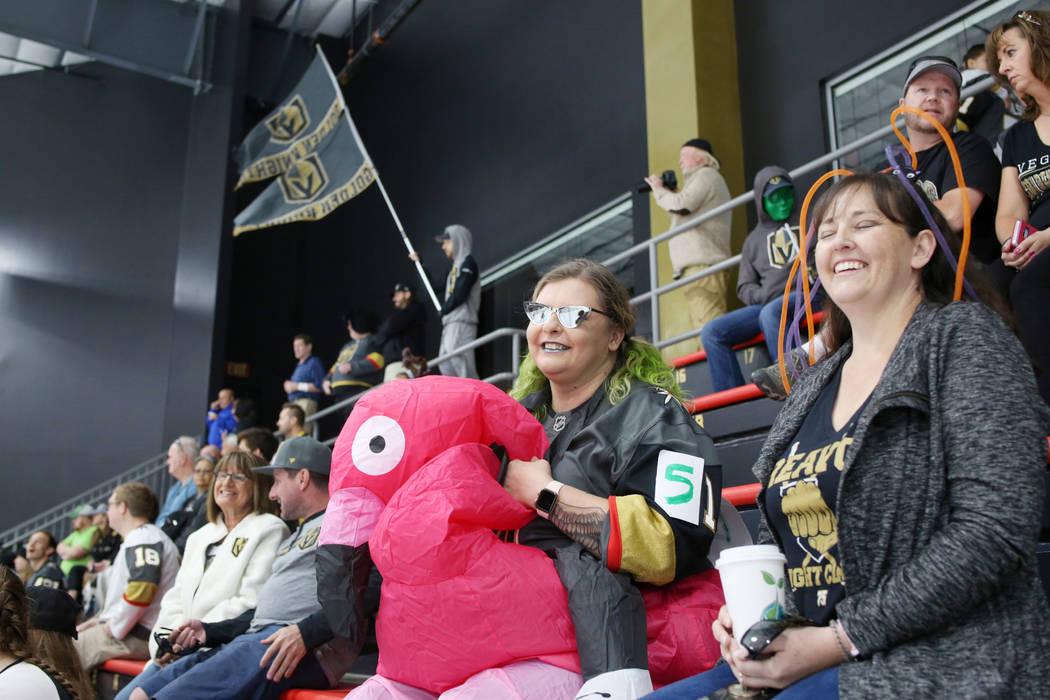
<point x="878" y="470"/>
<point x="1007" y="199"/>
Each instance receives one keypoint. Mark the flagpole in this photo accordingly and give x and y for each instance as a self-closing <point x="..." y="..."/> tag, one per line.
<point x="379" y="181"/>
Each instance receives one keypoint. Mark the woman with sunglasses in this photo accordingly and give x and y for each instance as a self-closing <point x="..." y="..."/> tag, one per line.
<point x="1018" y="52"/>
<point x="902" y="480"/>
<point x="226" y="561"/>
<point x="628" y="493"/>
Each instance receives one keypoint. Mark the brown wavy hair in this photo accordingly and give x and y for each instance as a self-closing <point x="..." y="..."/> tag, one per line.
<point x="14" y="631"/>
<point x="59" y="651"/>
<point x="1034" y="25"/>
<point x="242" y="463"/>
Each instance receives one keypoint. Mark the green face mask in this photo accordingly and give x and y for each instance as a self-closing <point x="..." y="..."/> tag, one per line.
<point x="779" y="203"/>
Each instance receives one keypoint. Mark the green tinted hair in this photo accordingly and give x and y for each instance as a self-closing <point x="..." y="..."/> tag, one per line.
<point x="635" y="359"/>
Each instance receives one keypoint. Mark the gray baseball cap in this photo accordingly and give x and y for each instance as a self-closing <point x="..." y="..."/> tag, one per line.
<point x="300" y="453"/>
<point x="940" y="64"/>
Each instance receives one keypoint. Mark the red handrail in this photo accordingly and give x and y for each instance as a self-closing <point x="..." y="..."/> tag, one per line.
<point x="723" y="398"/>
<point x="701" y="355"/>
<point x="127" y="667"/>
<point x="744" y="495"/>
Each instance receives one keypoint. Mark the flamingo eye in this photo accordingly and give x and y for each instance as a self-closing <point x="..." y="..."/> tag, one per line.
<point x="378" y="445"/>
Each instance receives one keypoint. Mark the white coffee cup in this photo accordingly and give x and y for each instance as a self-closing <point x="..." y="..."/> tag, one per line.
<point x="753" y="583"/>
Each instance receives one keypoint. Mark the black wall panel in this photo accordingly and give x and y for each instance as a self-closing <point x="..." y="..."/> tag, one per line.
<point x="111" y="216"/>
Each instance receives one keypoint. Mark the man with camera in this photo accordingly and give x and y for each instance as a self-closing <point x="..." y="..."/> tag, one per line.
<point x="698" y="247"/>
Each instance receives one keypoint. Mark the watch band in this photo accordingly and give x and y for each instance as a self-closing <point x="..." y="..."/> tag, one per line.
<point x="548" y="498"/>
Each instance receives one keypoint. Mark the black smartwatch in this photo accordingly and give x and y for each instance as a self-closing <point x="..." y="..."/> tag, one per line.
<point x="548" y="498"/>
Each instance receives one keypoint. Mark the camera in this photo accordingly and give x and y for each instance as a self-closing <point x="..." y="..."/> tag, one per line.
<point x="164" y="645"/>
<point x="669" y="180"/>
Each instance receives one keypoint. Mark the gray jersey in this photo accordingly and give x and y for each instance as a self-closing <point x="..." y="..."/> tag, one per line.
<point x="290" y="594"/>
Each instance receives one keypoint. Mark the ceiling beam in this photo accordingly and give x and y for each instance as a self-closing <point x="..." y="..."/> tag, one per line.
<point x="154" y="37"/>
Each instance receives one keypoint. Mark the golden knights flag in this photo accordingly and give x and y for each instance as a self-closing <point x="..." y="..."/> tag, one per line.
<point x="298" y="125"/>
<point x="312" y="186"/>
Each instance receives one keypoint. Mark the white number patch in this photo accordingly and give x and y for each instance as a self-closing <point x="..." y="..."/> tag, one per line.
<point x="680" y="487"/>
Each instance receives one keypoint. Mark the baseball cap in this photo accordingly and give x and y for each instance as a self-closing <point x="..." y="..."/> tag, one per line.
<point x="300" y="453"/>
<point x="97" y="510"/>
<point x="53" y="610"/>
<point x="82" y="509"/>
<point x="402" y="287"/>
<point x="777" y="182"/>
<point x="941" y="64"/>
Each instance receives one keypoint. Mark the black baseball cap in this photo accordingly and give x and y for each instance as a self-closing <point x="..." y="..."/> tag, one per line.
<point x="402" y="287"/>
<point x="300" y="453"/>
<point x="53" y="610"/>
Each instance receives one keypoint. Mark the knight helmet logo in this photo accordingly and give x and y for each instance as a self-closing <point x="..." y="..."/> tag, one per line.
<point x="289" y="122"/>
<point x="304" y="180"/>
<point x="781" y="246"/>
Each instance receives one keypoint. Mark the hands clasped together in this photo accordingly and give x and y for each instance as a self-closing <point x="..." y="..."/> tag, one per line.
<point x="796" y="653"/>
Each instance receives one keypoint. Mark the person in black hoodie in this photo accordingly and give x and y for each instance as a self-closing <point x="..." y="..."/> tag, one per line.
<point x="765" y="263"/>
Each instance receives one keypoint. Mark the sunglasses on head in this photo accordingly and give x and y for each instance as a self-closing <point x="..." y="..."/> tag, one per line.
<point x="1027" y="17"/>
<point x="568" y="316"/>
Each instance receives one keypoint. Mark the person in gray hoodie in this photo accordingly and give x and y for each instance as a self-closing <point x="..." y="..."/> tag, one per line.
<point x="765" y="262"/>
<point x="459" y="313"/>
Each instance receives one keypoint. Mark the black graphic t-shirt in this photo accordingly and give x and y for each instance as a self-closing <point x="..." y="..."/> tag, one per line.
<point x="981" y="171"/>
<point x="1024" y="150"/>
<point x="800" y="501"/>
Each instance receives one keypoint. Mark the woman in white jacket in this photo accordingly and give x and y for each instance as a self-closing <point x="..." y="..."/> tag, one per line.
<point x="227" y="560"/>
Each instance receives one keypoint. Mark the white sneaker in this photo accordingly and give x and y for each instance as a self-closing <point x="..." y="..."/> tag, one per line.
<point x="625" y="684"/>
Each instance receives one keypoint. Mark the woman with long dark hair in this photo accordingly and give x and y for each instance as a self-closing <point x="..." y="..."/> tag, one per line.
<point x="22" y="674"/>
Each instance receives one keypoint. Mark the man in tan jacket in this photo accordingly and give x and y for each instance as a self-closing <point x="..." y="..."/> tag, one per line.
<point x="696" y="248"/>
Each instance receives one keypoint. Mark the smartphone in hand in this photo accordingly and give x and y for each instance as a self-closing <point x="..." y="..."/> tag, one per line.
<point x="1022" y="230"/>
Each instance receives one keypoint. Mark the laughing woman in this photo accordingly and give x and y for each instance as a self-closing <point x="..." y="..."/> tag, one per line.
<point x="925" y="521"/>
<point x="615" y="508"/>
<point x="227" y="560"/>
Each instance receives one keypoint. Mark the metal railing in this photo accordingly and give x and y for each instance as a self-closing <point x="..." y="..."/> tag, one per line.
<point x="515" y="335"/>
<point x="153" y="473"/>
<point x="649" y="246"/>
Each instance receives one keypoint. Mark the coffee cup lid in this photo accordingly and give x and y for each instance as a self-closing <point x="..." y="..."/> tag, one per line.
<point x="754" y="552"/>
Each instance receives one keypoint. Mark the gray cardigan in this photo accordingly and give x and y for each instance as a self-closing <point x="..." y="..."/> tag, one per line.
<point x="938" y="512"/>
